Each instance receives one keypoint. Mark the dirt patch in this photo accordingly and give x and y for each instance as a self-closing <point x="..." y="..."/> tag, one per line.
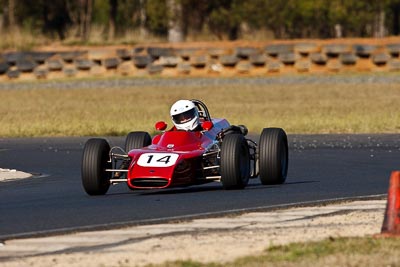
<point x="203" y="240"/>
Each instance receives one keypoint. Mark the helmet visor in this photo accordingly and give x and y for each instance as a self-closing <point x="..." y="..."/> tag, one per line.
<point x="185" y="116"/>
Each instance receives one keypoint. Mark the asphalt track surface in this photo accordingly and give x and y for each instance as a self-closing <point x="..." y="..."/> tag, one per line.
<point x="321" y="167"/>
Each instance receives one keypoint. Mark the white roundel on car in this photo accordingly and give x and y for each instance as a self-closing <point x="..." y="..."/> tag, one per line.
<point x="157" y="159"/>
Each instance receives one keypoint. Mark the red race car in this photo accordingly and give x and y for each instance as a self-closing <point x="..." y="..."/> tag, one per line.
<point x="197" y="150"/>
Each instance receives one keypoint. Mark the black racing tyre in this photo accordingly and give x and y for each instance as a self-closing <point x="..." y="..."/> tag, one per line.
<point x="3" y="67"/>
<point x="142" y="61"/>
<point x="273" y="156"/>
<point x="25" y="65"/>
<point x="137" y="140"/>
<point x="235" y="162"/>
<point x="95" y="179"/>
<point x="111" y="63"/>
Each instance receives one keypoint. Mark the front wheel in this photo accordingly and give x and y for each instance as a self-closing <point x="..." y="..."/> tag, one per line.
<point x="137" y="140"/>
<point x="95" y="179"/>
<point x="235" y="162"/>
<point x="273" y="156"/>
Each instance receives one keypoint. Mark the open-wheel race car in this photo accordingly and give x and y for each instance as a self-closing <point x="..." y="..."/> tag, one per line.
<point x="213" y="151"/>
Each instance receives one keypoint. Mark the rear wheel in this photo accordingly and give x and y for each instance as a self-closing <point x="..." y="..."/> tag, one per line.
<point x="95" y="179"/>
<point x="235" y="162"/>
<point x="137" y="140"/>
<point x="273" y="156"/>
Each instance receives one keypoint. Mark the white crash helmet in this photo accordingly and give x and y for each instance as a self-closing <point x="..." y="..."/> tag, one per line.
<point x="185" y="115"/>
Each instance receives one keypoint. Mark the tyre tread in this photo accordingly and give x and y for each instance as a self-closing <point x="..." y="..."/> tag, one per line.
<point x="95" y="152"/>
<point x="137" y="139"/>
<point x="230" y="162"/>
<point x="272" y="141"/>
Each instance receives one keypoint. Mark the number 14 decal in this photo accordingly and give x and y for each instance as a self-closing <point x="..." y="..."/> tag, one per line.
<point x="157" y="159"/>
<point x="165" y="159"/>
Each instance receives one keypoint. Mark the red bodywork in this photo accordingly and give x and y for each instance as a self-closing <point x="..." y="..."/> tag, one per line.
<point x="175" y="158"/>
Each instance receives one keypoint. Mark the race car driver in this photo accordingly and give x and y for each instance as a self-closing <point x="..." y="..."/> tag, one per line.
<point x="185" y="116"/>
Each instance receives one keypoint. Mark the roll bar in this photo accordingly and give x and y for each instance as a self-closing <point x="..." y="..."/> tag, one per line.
<point x="202" y="108"/>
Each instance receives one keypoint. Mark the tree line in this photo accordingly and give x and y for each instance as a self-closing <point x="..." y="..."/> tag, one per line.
<point x="179" y="20"/>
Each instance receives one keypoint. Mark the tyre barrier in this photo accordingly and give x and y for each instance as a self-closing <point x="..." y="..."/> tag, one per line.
<point x="186" y="53"/>
<point x="274" y="66"/>
<point x="69" y="56"/>
<point x="111" y="63"/>
<point x="246" y="52"/>
<point x="228" y="60"/>
<point x="348" y="58"/>
<point x="258" y="60"/>
<point x="334" y="50"/>
<point x="138" y="50"/>
<point x="4" y="67"/>
<point x="157" y="52"/>
<point x="54" y="64"/>
<point x="380" y="59"/>
<point x="184" y="68"/>
<point x="288" y="58"/>
<point x="124" y="54"/>
<point x="168" y="61"/>
<point x="334" y="66"/>
<point x="217" y="52"/>
<point x="13" y="74"/>
<point x="303" y="66"/>
<point x="126" y="68"/>
<point x="25" y="65"/>
<point x="41" y="72"/>
<point x="393" y="49"/>
<point x="70" y="71"/>
<point x="364" y="51"/>
<point x="318" y="58"/>
<point x="394" y="65"/>
<point x="154" y="69"/>
<point x="305" y="49"/>
<point x="243" y="67"/>
<point x="41" y="57"/>
<point x="276" y="49"/>
<point x="141" y="61"/>
<point x="199" y="61"/>
<point x="204" y="59"/>
<point x="12" y="57"/>
<point x="83" y="64"/>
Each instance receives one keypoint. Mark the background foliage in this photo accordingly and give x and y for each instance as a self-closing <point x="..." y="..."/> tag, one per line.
<point x="90" y="21"/>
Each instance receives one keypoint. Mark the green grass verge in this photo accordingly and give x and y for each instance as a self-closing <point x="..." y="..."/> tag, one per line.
<point x="322" y="108"/>
<point x="326" y="253"/>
